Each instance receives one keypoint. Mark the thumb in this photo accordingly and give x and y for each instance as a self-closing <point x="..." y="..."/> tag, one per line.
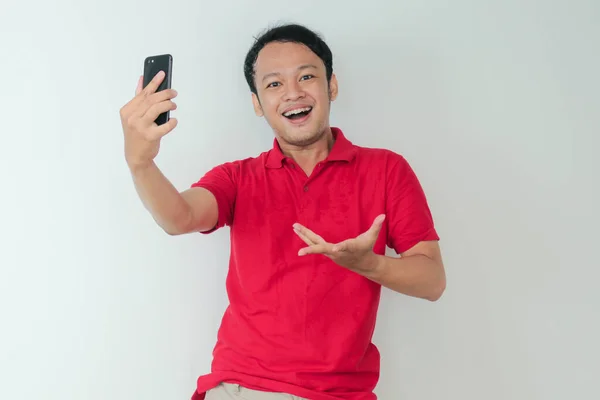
<point x="140" y="84"/>
<point x="377" y="224"/>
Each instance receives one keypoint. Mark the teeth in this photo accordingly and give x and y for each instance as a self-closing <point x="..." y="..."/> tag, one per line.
<point x="297" y="111"/>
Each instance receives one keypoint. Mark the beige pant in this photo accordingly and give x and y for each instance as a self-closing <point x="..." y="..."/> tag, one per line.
<point x="228" y="391"/>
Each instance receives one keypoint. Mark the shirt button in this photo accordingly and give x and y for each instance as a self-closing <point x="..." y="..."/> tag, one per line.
<point x="306" y="188"/>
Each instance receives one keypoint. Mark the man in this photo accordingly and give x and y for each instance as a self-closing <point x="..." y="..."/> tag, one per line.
<point x="309" y="219"/>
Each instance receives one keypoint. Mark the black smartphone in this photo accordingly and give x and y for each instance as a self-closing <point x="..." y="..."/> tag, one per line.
<point x="152" y="65"/>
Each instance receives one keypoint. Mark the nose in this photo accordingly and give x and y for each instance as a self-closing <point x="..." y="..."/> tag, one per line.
<point x="293" y="91"/>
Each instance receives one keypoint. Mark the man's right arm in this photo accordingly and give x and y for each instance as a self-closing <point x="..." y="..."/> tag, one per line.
<point x="193" y="210"/>
<point x="177" y="213"/>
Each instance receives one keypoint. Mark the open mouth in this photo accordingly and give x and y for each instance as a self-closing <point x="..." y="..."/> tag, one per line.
<point x="298" y="113"/>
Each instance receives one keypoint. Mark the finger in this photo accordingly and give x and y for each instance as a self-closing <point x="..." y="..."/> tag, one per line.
<point x="308" y="233"/>
<point x="163" y="95"/>
<point x="159" y="131"/>
<point x="159" y="108"/>
<point x="140" y="84"/>
<point x="324" y="248"/>
<point x="149" y="101"/>
<point x="154" y="83"/>
<point x="304" y="238"/>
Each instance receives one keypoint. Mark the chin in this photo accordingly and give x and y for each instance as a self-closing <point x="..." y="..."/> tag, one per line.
<point x="304" y="138"/>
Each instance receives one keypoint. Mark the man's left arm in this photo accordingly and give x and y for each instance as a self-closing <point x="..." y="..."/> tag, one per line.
<point x="419" y="272"/>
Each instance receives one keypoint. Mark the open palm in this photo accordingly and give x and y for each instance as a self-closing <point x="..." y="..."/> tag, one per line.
<point x="356" y="253"/>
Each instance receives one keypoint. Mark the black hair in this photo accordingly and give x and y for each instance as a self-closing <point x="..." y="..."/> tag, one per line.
<point x="290" y="33"/>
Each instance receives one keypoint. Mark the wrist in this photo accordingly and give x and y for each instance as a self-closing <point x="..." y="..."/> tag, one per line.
<point x="375" y="266"/>
<point x="138" y="167"/>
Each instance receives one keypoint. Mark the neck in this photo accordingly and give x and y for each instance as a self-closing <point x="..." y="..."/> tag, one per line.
<point x="307" y="157"/>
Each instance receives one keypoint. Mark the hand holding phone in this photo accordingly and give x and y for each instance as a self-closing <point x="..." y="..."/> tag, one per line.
<point x="145" y="119"/>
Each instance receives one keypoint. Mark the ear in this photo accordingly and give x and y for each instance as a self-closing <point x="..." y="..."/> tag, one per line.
<point x="257" y="107"/>
<point x="333" y="87"/>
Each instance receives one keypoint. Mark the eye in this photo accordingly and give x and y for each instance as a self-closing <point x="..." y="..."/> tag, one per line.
<point x="273" y="84"/>
<point x="305" y="77"/>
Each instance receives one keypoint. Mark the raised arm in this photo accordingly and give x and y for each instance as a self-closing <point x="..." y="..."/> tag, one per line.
<point x="176" y="213"/>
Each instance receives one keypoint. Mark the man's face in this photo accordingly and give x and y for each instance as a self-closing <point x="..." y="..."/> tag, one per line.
<point x="293" y="94"/>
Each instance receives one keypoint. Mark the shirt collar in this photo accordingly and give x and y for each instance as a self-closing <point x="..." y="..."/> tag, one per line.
<point x="342" y="150"/>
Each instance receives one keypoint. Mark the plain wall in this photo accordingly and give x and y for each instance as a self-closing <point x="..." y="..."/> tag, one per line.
<point x="495" y="105"/>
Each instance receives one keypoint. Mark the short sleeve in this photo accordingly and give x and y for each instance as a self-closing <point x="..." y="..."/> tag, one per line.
<point x="408" y="214"/>
<point x="221" y="181"/>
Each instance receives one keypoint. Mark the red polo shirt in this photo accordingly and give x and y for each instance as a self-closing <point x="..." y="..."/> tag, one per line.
<point x="303" y="325"/>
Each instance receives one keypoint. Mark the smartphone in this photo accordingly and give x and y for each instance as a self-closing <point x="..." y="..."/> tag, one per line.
<point x="152" y="65"/>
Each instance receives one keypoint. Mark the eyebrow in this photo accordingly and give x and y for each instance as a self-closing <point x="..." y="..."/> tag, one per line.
<point x="300" y="68"/>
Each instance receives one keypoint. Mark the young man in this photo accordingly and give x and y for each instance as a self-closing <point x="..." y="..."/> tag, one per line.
<point x="309" y="219"/>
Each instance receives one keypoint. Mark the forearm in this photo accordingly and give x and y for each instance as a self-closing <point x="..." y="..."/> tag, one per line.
<point x="415" y="275"/>
<point x="166" y="205"/>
